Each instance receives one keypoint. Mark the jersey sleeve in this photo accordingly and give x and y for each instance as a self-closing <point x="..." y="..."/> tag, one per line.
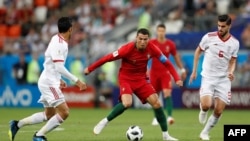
<point x="118" y="54"/>
<point x="235" y="51"/>
<point x="173" y="50"/>
<point x="203" y="42"/>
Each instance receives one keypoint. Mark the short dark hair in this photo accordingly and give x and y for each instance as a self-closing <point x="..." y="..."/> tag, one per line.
<point x="64" y="24"/>
<point x="143" y="31"/>
<point x="161" y="25"/>
<point x="225" y="18"/>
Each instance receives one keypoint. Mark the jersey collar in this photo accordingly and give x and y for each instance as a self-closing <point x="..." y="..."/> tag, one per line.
<point x="224" y="40"/>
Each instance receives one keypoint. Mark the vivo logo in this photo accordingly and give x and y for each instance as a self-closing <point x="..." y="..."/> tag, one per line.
<point x="22" y="97"/>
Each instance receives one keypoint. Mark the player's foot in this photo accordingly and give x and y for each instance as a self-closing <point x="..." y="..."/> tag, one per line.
<point x="170" y="120"/>
<point x="98" y="128"/>
<point x="39" y="138"/>
<point x="155" y="122"/>
<point x="202" y="116"/>
<point x="204" y="136"/>
<point x="169" y="138"/>
<point x="13" y="129"/>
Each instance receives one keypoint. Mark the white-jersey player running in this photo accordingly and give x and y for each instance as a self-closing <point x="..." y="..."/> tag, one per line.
<point x="220" y="52"/>
<point x="50" y="84"/>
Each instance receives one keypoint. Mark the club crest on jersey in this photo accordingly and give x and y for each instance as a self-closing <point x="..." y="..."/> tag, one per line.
<point x="134" y="61"/>
<point x="148" y="56"/>
<point x="167" y="49"/>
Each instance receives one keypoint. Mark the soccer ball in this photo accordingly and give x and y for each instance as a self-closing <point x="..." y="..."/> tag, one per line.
<point x="134" y="133"/>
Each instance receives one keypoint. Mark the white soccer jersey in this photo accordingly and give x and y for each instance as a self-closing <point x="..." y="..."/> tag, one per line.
<point x="56" y="51"/>
<point x="217" y="54"/>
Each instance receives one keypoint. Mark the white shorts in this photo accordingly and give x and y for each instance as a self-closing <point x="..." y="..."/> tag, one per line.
<point x="217" y="87"/>
<point x="51" y="96"/>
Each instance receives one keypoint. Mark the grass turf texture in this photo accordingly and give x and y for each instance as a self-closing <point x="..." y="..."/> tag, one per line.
<point x="79" y="125"/>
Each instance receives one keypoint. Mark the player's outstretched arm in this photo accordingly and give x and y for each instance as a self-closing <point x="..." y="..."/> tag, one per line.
<point x="86" y="71"/>
<point x="107" y="58"/>
<point x="197" y="54"/>
<point x="179" y="63"/>
<point x="62" y="70"/>
<point x="171" y="69"/>
<point x="82" y="85"/>
<point x="231" y="68"/>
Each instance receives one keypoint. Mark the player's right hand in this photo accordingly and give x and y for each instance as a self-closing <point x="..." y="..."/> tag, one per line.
<point x="192" y="77"/>
<point x="179" y="83"/>
<point x="86" y="71"/>
<point x="82" y="85"/>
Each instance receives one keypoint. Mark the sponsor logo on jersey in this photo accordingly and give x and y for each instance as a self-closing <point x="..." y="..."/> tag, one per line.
<point x="115" y="53"/>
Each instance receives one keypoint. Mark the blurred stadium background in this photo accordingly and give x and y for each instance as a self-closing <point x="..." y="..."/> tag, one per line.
<point x="100" y="27"/>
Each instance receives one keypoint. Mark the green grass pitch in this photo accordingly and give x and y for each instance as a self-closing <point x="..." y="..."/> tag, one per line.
<point x="79" y="125"/>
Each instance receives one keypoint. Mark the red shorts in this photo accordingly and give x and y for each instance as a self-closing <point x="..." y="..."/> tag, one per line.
<point x="160" y="82"/>
<point x="141" y="88"/>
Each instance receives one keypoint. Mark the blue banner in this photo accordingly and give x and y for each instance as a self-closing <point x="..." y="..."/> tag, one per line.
<point x="19" y="96"/>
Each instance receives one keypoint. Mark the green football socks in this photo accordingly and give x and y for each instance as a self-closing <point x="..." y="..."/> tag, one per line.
<point x="117" y="110"/>
<point x="169" y="106"/>
<point x="161" y="118"/>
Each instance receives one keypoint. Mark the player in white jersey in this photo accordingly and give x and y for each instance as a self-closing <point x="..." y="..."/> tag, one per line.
<point x="220" y="52"/>
<point x="50" y="84"/>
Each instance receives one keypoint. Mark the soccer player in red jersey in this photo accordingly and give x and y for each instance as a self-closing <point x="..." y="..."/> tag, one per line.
<point x="133" y="79"/>
<point x="159" y="75"/>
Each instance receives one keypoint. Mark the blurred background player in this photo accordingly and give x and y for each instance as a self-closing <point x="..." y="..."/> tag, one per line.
<point x="159" y="75"/>
<point x="133" y="79"/>
<point x="220" y="52"/>
<point x="50" y="84"/>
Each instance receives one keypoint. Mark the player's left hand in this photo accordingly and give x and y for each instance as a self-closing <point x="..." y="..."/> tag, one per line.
<point x="179" y="83"/>
<point x="86" y="71"/>
<point x="183" y="75"/>
<point x="62" y="84"/>
<point x="231" y="76"/>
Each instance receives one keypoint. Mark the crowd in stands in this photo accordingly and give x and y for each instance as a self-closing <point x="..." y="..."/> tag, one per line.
<point x="27" y="25"/>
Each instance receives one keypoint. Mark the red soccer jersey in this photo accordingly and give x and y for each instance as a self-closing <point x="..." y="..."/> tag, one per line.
<point x="167" y="48"/>
<point x="134" y="62"/>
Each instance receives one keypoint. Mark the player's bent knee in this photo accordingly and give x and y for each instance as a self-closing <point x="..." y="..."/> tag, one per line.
<point x="127" y="104"/>
<point x="48" y="116"/>
<point x="205" y="106"/>
<point x="156" y="105"/>
<point x="64" y="113"/>
<point x="217" y="113"/>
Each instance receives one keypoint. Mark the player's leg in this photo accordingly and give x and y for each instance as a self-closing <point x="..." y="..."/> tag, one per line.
<point x="206" y="93"/>
<point x="169" y="104"/>
<point x="56" y="110"/>
<point x="168" y="107"/>
<point x="125" y="102"/>
<point x="36" y="118"/>
<point x="219" y="106"/>
<point x="222" y="98"/>
<point x="155" y="82"/>
<point x="153" y="100"/>
<point x="15" y="125"/>
<point x="205" y="104"/>
<point x="117" y="110"/>
<point x="62" y="112"/>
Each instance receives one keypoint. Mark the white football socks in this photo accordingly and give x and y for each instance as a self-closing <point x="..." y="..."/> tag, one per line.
<point x="212" y="121"/>
<point x="52" y="123"/>
<point x="33" y="119"/>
